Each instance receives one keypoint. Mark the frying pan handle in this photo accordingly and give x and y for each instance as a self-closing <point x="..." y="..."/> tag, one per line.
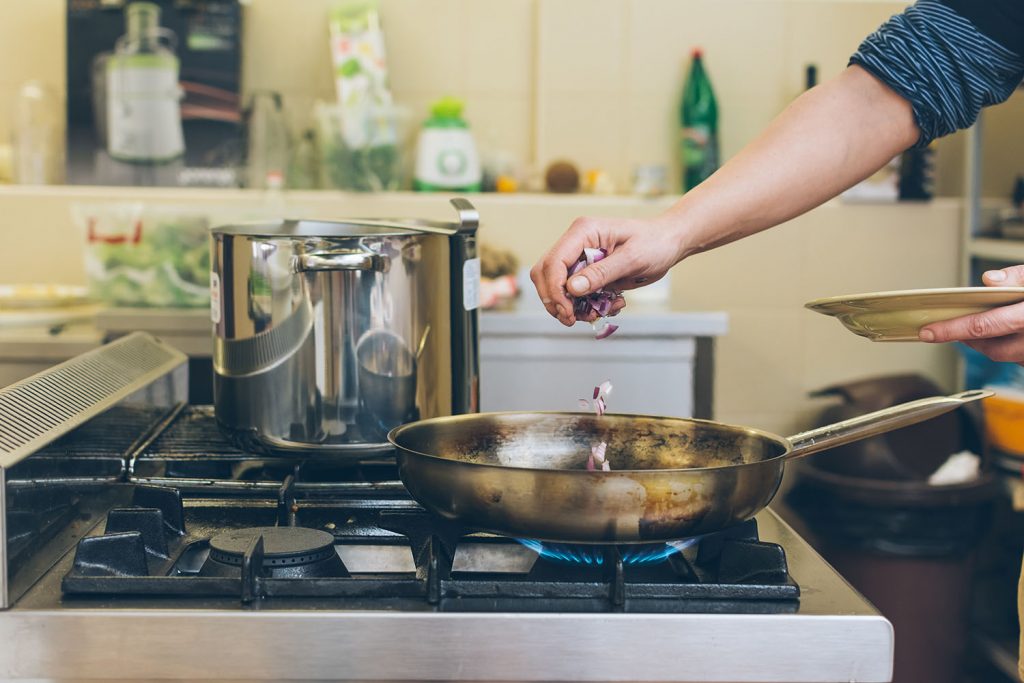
<point x="878" y="422"/>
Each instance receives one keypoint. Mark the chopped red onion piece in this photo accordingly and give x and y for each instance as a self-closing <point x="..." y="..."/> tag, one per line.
<point x="606" y="331"/>
<point x="599" y="302"/>
<point x="592" y="256"/>
<point x="605" y="467"/>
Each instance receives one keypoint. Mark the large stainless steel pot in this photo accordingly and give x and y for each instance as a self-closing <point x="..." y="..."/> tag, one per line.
<point x="524" y="475"/>
<point x="329" y="334"/>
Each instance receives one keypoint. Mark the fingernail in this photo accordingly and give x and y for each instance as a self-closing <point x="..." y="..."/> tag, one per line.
<point x="926" y="335"/>
<point x="995" y="275"/>
<point x="579" y="284"/>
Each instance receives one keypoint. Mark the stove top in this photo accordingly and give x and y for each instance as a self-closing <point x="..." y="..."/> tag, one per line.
<point x="143" y="532"/>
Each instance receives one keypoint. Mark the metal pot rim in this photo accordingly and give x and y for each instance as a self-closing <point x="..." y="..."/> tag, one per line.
<point x="312" y="229"/>
<point x="349" y="227"/>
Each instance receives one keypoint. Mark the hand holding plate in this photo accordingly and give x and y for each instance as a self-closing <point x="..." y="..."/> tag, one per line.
<point x="999" y="333"/>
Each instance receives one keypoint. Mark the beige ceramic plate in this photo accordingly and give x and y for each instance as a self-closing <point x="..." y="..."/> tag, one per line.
<point x="897" y="316"/>
<point x="23" y="297"/>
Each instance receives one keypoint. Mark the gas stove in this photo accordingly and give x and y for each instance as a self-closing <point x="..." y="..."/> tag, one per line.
<point x="134" y="527"/>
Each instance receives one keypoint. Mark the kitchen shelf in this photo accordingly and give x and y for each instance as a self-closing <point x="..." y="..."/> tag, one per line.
<point x="996" y="249"/>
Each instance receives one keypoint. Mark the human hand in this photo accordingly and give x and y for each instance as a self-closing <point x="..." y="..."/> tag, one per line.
<point x="639" y="252"/>
<point x="999" y="333"/>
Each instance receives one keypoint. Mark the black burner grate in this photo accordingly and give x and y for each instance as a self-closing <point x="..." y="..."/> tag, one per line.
<point x="191" y="453"/>
<point x="731" y="571"/>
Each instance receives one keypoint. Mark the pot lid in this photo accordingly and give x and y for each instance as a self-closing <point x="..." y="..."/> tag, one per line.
<point x="346" y="228"/>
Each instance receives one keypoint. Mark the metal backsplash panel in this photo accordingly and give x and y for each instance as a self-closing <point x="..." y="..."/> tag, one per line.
<point x="65" y="435"/>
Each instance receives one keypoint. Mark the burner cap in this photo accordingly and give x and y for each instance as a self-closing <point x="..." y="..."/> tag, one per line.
<point x="282" y="546"/>
<point x="288" y="552"/>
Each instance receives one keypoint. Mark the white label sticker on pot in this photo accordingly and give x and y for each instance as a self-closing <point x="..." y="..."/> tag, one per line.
<point x="471" y="284"/>
<point x="214" y="297"/>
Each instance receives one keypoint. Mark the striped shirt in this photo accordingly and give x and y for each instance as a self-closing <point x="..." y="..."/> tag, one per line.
<point x="949" y="58"/>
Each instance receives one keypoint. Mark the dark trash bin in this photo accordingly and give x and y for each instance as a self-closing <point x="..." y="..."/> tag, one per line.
<point x="908" y="546"/>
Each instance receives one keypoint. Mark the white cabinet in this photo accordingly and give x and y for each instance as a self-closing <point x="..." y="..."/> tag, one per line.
<point x="660" y="362"/>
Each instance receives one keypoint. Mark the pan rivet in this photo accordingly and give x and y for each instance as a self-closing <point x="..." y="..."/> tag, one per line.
<point x="330" y="526"/>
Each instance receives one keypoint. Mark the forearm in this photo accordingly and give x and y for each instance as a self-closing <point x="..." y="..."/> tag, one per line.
<point x="828" y="140"/>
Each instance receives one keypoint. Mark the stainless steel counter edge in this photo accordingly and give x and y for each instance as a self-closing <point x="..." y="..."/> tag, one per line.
<point x="368" y="646"/>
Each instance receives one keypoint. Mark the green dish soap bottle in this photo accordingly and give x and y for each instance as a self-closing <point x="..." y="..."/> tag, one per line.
<point x="446" y="155"/>
<point x="698" y="115"/>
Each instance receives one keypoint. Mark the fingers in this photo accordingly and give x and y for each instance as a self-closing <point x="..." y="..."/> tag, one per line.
<point x="1013" y="276"/>
<point x="1009" y="349"/>
<point x="549" y="275"/>
<point x="555" y="301"/>
<point x="998" y="322"/>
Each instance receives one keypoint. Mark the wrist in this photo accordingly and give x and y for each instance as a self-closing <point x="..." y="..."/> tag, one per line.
<point x="682" y="233"/>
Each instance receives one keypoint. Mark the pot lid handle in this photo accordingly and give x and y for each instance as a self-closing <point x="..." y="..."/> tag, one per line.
<point x="469" y="217"/>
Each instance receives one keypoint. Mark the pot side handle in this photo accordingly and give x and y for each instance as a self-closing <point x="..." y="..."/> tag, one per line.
<point x="341" y="260"/>
<point x="878" y="422"/>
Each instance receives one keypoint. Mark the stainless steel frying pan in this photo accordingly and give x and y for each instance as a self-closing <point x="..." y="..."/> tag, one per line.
<point x="524" y="474"/>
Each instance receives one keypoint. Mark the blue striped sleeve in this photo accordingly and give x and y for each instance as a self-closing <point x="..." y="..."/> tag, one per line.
<point x="942" y="64"/>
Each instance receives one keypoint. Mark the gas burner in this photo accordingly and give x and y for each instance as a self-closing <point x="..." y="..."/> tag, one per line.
<point x="288" y="552"/>
<point x="650" y="553"/>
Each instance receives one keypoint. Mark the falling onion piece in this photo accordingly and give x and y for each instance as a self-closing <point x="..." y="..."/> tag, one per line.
<point x="598" y="453"/>
<point x="597" y="457"/>
<point x="606" y="331"/>
<point x="601" y="392"/>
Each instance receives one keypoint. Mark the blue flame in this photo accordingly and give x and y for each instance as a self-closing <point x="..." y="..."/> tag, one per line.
<point x="594" y="555"/>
